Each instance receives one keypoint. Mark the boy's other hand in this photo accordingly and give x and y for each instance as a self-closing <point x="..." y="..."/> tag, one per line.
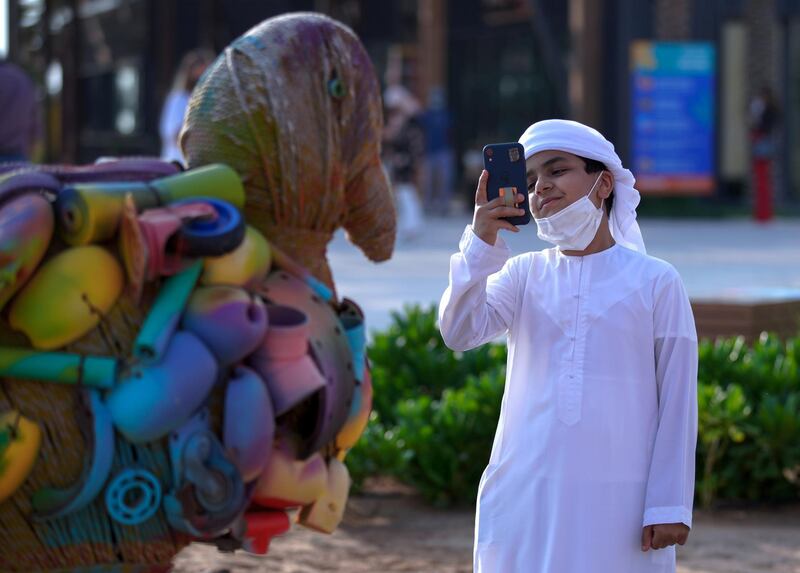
<point x="663" y="535"/>
<point x="487" y="221"/>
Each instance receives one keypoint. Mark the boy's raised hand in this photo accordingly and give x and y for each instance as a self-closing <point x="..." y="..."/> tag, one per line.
<point x="487" y="219"/>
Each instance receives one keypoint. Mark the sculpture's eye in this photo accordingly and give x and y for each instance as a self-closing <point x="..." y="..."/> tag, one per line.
<point x="336" y="87"/>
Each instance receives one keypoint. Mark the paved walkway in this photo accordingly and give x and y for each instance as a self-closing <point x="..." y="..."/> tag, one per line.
<point x="731" y="258"/>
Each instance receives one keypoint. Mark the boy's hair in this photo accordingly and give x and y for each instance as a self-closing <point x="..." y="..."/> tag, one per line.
<point x="594" y="166"/>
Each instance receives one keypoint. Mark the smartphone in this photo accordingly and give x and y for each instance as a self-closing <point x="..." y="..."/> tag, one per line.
<point x="505" y="163"/>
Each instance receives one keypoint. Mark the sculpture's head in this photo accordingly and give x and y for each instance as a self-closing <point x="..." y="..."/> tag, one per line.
<point x="294" y="107"/>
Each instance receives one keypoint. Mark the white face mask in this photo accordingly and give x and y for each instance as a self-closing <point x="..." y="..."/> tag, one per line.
<point x="574" y="227"/>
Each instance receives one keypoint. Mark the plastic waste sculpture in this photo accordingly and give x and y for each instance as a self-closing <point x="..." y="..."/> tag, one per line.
<point x="175" y="365"/>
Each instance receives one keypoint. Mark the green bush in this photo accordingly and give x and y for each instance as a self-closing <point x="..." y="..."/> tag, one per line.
<point x="447" y="440"/>
<point x="376" y="453"/>
<point x="410" y="360"/>
<point x="435" y="413"/>
<point x="749" y="430"/>
<point x="723" y="415"/>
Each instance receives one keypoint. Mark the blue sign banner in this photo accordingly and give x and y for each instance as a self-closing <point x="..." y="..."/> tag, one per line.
<point x="673" y="87"/>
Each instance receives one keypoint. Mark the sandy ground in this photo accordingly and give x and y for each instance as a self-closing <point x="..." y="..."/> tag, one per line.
<point x="389" y="532"/>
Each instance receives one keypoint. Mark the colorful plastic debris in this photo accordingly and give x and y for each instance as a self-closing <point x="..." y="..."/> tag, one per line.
<point x="157" y="397"/>
<point x="26" y="227"/>
<point x="50" y="503"/>
<point x="289" y="481"/>
<point x="91" y="212"/>
<point x="283" y="360"/>
<point x="165" y="314"/>
<point x="59" y="367"/>
<point x="64" y="300"/>
<point x="229" y="320"/>
<point x="133" y="496"/>
<point x="327" y="511"/>
<point x="248" y="423"/>
<point x="246" y="266"/>
<point x="21" y="442"/>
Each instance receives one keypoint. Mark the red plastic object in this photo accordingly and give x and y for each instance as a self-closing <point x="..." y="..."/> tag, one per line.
<point x="262" y="526"/>
<point x="763" y="192"/>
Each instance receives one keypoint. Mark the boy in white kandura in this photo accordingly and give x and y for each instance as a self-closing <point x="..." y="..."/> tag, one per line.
<point x="592" y="466"/>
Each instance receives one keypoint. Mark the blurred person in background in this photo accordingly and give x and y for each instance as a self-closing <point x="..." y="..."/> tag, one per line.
<point x="192" y="66"/>
<point x="403" y="147"/>
<point x="764" y="115"/>
<point x="593" y="462"/>
<point x="20" y="121"/>
<point x="472" y="165"/>
<point x="437" y="169"/>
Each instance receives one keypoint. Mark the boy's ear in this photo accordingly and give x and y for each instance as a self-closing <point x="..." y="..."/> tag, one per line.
<point x="606" y="185"/>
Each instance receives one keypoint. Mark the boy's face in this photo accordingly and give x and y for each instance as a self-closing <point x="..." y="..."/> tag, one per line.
<point x="556" y="179"/>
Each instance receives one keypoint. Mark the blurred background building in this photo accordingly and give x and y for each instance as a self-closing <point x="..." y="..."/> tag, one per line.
<point x="104" y="68"/>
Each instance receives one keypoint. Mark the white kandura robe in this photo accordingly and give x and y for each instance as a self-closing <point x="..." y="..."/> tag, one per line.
<point x="598" y="424"/>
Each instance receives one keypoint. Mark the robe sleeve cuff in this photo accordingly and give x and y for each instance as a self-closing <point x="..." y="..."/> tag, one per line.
<point x="674" y="514"/>
<point x="476" y="249"/>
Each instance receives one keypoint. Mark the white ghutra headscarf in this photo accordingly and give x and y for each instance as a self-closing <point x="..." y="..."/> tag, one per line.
<point x="582" y="140"/>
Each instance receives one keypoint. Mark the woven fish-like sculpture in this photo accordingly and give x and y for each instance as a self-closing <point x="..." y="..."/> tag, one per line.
<point x="175" y="365"/>
<point x="294" y="107"/>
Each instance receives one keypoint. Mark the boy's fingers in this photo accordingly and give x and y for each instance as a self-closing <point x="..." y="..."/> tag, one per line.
<point x="480" y="192"/>
<point x="647" y="537"/>
<point x="493" y="205"/>
<point x="499" y="212"/>
<point x="659" y="541"/>
<point x="496" y="202"/>
<point x="508" y="226"/>
<point x="500" y="202"/>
